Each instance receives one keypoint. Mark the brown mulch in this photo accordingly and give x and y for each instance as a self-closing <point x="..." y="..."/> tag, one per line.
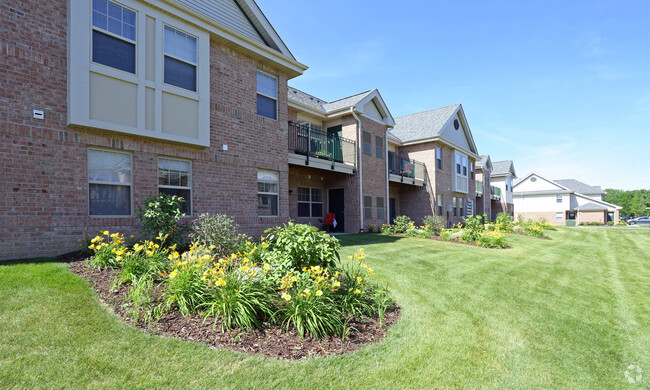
<point x="272" y="340"/>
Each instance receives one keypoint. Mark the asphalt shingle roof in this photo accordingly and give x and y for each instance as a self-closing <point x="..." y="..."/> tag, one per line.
<point x="501" y="167"/>
<point x="580" y="187"/>
<point x="322" y="105"/>
<point x="483" y="160"/>
<point x="591" y="206"/>
<point x="424" y="124"/>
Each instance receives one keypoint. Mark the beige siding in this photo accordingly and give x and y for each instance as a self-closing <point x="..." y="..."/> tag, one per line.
<point x="180" y="116"/>
<point x="456" y="136"/>
<point x="113" y="100"/>
<point x="225" y="12"/>
<point x="370" y="110"/>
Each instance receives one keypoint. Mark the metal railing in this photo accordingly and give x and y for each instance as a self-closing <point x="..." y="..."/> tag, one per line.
<point x="495" y="193"/>
<point x="479" y="188"/>
<point x="406" y="168"/>
<point x="317" y="144"/>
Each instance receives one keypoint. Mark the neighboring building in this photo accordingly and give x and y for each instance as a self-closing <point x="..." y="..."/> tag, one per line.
<point x="432" y="159"/>
<point x="484" y="190"/>
<point x="502" y="178"/>
<point x="562" y="202"/>
<point x="337" y="160"/>
<point x="106" y="102"/>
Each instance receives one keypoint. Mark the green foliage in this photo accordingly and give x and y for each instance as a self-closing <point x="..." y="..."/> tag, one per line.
<point x="107" y="250"/>
<point x="146" y="259"/>
<point x="138" y="300"/>
<point x="311" y="314"/>
<point x="401" y="224"/>
<point x="434" y="224"/>
<point x="295" y="246"/>
<point x="160" y="217"/>
<point x="634" y="203"/>
<point x="504" y="222"/>
<point x="490" y="239"/>
<point x="474" y="226"/>
<point x="219" y="232"/>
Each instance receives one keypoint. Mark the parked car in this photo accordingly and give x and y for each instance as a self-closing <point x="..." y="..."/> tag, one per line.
<point x="639" y="221"/>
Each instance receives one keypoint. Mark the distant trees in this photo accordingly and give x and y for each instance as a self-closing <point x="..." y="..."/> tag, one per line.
<point x="634" y="203"/>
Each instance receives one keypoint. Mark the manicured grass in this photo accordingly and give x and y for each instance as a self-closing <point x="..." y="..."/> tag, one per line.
<point x="572" y="312"/>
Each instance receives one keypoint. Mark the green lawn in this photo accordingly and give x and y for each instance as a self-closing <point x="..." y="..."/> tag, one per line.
<point x="572" y="312"/>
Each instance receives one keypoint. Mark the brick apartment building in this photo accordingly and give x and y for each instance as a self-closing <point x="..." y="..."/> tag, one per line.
<point x="106" y="102"/>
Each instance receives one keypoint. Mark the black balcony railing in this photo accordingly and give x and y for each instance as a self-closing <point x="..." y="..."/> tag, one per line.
<point x="405" y="167"/>
<point x="318" y="144"/>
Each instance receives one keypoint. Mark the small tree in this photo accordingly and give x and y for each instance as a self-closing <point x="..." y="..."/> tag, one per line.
<point x="160" y="217"/>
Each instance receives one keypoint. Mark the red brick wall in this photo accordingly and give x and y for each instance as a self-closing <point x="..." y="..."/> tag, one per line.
<point x="374" y="171"/>
<point x="44" y="196"/>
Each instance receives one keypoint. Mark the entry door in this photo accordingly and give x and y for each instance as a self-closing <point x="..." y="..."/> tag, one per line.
<point x="334" y="146"/>
<point x="336" y="203"/>
<point x="393" y="210"/>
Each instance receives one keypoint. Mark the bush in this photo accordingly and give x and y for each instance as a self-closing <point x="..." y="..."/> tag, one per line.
<point x="218" y="232"/>
<point x="160" y="217"/>
<point x="504" y="222"/>
<point x="107" y="254"/>
<point x="434" y="224"/>
<point x="474" y="225"/>
<point x="147" y="259"/>
<point x="295" y="246"/>
<point x="489" y="239"/>
<point x="186" y="283"/>
<point x="402" y="224"/>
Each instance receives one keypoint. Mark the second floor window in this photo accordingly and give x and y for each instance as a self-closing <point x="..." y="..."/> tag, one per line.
<point x="113" y="35"/>
<point x="267" y="95"/>
<point x="367" y="143"/>
<point x="438" y="157"/>
<point x="379" y="146"/>
<point x="471" y="169"/>
<point x="180" y="59"/>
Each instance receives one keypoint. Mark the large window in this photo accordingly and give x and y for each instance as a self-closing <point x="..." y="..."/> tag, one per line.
<point x="113" y="35"/>
<point x="367" y="143"/>
<point x="367" y="207"/>
<point x="439" y="205"/>
<point x="268" y="183"/>
<point x="455" y="212"/>
<point x="180" y="59"/>
<point x="381" y="208"/>
<point x="175" y="178"/>
<point x="379" y="146"/>
<point x="438" y="157"/>
<point x="267" y="95"/>
<point x="109" y="182"/>
<point x="310" y="202"/>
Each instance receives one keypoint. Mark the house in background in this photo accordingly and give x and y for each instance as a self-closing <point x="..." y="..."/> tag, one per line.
<point x="337" y="160"/>
<point x="439" y="144"/>
<point x="560" y="202"/>
<point x="502" y="178"/>
<point x="485" y="192"/>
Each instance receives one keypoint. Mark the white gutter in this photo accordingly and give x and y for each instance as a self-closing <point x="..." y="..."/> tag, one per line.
<point x="360" y="168"/>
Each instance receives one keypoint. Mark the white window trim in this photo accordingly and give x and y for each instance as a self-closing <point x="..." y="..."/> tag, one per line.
<point x="311" y="202"/>
<point x="190" y="180"/>
<point x="130" y="185"/>
<point x="459" y="177"/>
<point x="277" y="91"/>
<point x="165" y="54"/>
<point x="268" y="193"/>
<point x="80" y="66"/>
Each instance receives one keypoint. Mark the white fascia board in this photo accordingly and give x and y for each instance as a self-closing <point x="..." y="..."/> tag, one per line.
<point x="383" y="108"/>
<point x="303" y="108"/>
<point x="250" y="46"/>
<point x="268" y="27"/>
<point x="442" y="141"/>
<point x="601" y="202"/>
<point x="468" y="132"/>
<point x="394" y="140"/>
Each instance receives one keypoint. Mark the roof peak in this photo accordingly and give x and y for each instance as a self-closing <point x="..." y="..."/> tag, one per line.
<point x="432" y="110"/>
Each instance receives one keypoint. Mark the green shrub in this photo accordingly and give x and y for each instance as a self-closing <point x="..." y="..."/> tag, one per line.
<point x="401" y="224"/>
<point x="474" y="225"/>
<point x="160" y="217"/>
<point x="504" y="222"/>
<point x="219" y="232"/>
<point x="146" y="259"/>
<point x="294" y="246"/>
<point x="434" y="224"/>
<point x="108" y="250"/>
<point x="185" y="284"/>
<point x="490" y="239"/>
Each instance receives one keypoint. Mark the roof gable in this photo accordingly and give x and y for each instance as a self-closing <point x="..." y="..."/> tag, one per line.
<point x="503" y="168"/>
<point x="484" y="163"/>
<point x="534" y="182"/>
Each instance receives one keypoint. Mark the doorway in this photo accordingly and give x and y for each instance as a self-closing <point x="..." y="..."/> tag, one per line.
<point x="336" y="205"/>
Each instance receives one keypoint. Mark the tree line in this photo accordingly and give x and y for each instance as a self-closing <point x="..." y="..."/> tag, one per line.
<point x="635" y="203"/>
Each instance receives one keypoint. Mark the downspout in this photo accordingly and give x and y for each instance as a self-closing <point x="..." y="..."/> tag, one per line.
<point x="360" y="154"/>
<point x="388" y="221"/>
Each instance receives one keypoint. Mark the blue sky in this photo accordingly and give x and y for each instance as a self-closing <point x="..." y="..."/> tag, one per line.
<point x="559" y="87"/>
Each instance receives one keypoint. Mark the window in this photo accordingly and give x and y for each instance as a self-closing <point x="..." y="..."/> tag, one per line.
<point x="180" y="59"/>
<point x="559" y="216"/>
<point x="310" y="202"/>
<point x="267" y="193"/>
<point x="381" y="208"/>
<point x="267" y="95"/>
<point x="558" y="198"/>
<point x="458" y="163"/>
<point x="113" y="35"/>
<point x="175" y="178"/>
<point x="109" y="182"/>
<point x="440" y="205"/>
<point x="438" y="157"/>
<point x="379" y="146"/>
<point x="460" y="207"/>
<point x="367" y="145"/>
<point x="455" y="213"/>
<point x="367" y="207"/>
<point x="464" y="165"/>
<point x="471" y="169"/>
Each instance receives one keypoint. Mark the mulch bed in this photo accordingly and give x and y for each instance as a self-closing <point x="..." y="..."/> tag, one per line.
<point x="272" y="340"/>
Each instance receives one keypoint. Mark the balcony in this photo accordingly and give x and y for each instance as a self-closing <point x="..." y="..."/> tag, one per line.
<point x="405" y="170"/>
<point x="320" y="150"/>
<point x="479" y="188"/>
<point x="495" y="193"/>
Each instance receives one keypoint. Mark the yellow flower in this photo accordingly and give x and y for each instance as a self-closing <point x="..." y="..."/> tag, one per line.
<point x="267" y="267"/>
<point x="319" y="293"/>
<point x="91" y="246"/>
<point x="307" y="292"/>
<point x="357" y="291"/>
<point x="359" y="279"/>
<point x="173" y="274"/>
<point x="286" y="297"/>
